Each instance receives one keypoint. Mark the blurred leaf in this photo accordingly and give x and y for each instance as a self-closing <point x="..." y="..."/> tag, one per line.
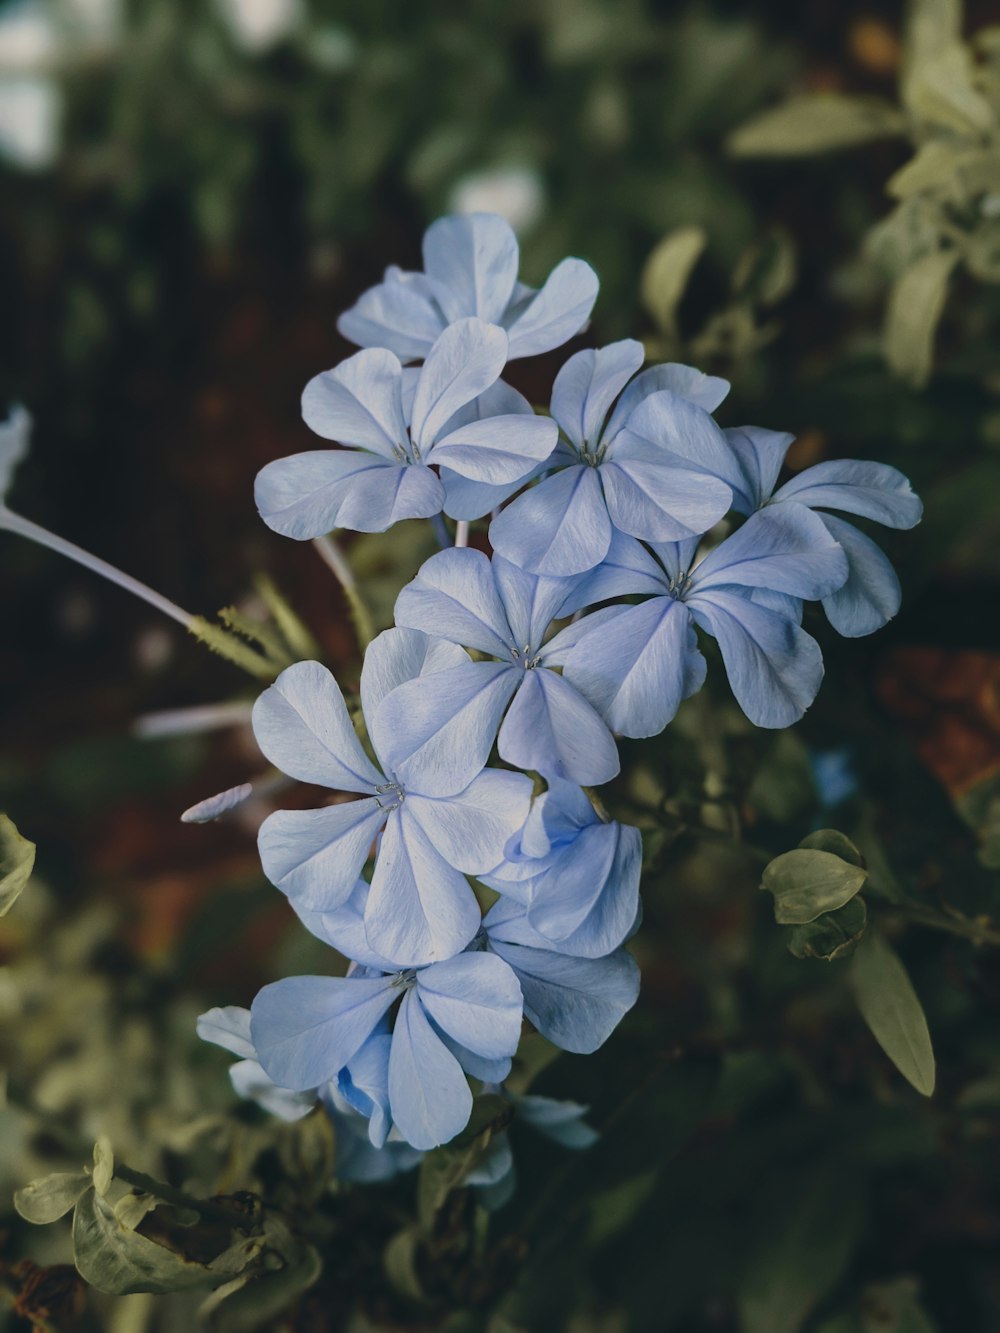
<point x="256" y="1300"/>
<point x="104" y="1165"/>
<point x="982" y="251"/>
<point x="933" y="167"/>
<point x="806" y="883"/>
<point x="766" y="271"/>
<point x="665" y="276"/>
<point x="832" y="840"/>
<point x="894" y="1307"/>
<point x="17" y="860"/>
<point x="807" y="1231"/>
<point x="916" y="303"/>
<point x="816" y="123"/>
<point x="131" y="1208"/>
<point x="832" y="935"/>
<point x="51" y="1197"/>
<point x="939" y="89"/>
<point x="443" y="1169"/>
<point x="401" y="1264"/>
<point x="890" y="1007"/>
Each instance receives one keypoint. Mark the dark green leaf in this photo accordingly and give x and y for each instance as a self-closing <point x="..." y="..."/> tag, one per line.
<point x="832" y="935"/>
<point x="666" y="274"/>
<point x="890" y="1007"/>
<point x="832" y="840"/>
<point x="806" y="883"/>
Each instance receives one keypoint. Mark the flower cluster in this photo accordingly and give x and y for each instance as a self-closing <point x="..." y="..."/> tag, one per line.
<point x="530" y="655"/>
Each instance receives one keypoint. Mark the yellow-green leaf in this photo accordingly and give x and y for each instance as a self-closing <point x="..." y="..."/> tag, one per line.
<point x="104" y="1165"/>
<point x="17" y="860"/>
<point x="51" y="1197"/>
<point x="666" y="274"/>
<point x="915" y="305"/>
<point x="816" y="123"/>
<point x="890" y="1007"/>
<point x="806" y="883"/>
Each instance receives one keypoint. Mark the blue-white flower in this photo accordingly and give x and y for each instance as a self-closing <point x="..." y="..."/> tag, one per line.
<point x="229" y="1028"/>
<point x="576" y="875"/>
<point x="494" y="1178"/>
<point x="440" y="815"/>
<point x="871" y="595"/>
<point x="14" y="435"/>
<point x="652" y="465"/>
<point x="397" y="428"/>
<point x="575" y="1003"/>
<point x="470" y="269"/>
<point x="637" y="666"/>
<point x="501" y="611"/>
<point x="449" y="1019"/>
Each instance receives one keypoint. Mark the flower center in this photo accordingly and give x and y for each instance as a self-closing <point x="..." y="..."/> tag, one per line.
<point x="678" y="585"/>
<point x="390" y="795"/>
<point x="406" y="979"/>
<point x="525" y="657"/>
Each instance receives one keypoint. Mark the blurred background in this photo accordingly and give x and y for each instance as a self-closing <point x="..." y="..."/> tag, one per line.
<point x="805" y="199"/>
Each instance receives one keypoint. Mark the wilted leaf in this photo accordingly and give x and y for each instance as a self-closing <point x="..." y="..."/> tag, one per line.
<point x="51" y="1197"/>
<point x="118" y="1261"/>
<point x="17" y="860"/>
<point x="665" y="276"/>
<point x="131" y="1208"/>
<point x="807" y="883"/>
<point x="816" y="123"/>
<point x="890" y="1007"/>
<point x="832" y="935"/>
<point x="915" y="305"/>
<point x="104" y="1165"/>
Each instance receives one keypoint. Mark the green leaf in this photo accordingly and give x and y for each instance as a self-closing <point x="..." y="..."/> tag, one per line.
<point x="894" y="1307"/>
<point x="816" y="123"/>
<point x="915" y="306"/>
<point x="401" y="1260"/>
<point x="256" y="1300"/>
<point x="832" y="840"/>
<point x="104" y="1165"/>
<point x="444" y="1169"/>
<point x="766" y="271"/>
<point x="933" y="167"/>
<point x="17" y="860"/>
<point x="982" y="251"/>
<point x="51" y="1197"/>
<point x="807" y="883"/>
<point x="832" y="935"/>
<point x="119" y="1261"/>
<point x="665" y="276"/>
<point x="939" y="89"/>
<point x="890" y="1007"/>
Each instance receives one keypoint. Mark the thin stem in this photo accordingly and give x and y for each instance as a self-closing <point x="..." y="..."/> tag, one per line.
<point x="186" y="721"/>
<point x="34" y="532"/>
<point x="231" y="1217"/>
<point x="441" y="532"/>
<point x="969" y="928"/>
<point x="332" y="556"/>
<point x="462" y="532"/>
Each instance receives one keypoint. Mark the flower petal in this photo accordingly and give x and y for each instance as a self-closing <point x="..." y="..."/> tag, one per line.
<point x="307" y="495"/>
<point x="359" y="403"/>
<point x="558" y="527"/>
<point x="871" y="596"/>
<point x="470" y="830"/>
<point x="704" y="391"/>
<point x="305" y="1029"/>
<point x="438" y="731"/>
<point x="774" y="667"/>
<point x="430" y="1098"/>
<point x="666" y="422"/>
<point x="552" y="729"/>
<point x="391" y="659"/>
<point x="872" y="490"/>
<point x="343" y="928"/>
<point x="637" y="672"/>
<point x="497" y="450"/>
<point x="558" y="312"/>
<point x="784" y="548"/>
<point x="657" y="497"/>
<point x="301" y="724"/>
<point x="250" y="1081"/>
<point x="760" y="454"/>
<point x="471" y="260"/>
<point x="586" y="902"/>
<point x="315" y="856"/>
<point x="364" y="1083"/>
<point x="531" y="601"/>
<point x="476" y="999"/>
<point x="627" y="568"/>
<point x="229" y="1028"/>
<point x="462" y="364"/>
<point x="588" y="384"/>
<point x="419" y="909"/>
<point x="399" y="314"/>
<point x="561" y="1121"/>
<point x="454" y="595"/>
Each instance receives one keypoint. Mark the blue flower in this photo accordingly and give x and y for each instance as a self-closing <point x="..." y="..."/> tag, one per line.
<point x="452" y="1018"/>
<point x="15" y="433"/>
<point x="576" y="875"/>
<point x="230" y="1029"/>
<point x="398" y="426"/>
<point x="442" y="817"/>
<point x="871" y="595"/>
<point x="653" y="466"/>
<point x="575" y="1003"/>
<point x="636" y="666"/>
<point x="470" y="269"/>
<point x="504" y="612"/>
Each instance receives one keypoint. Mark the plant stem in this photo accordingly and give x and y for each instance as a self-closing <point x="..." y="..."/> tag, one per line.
<point x="968" y="928"/>
<point x="332" y="556"/>
<point x="217" y="1212"/>
<point x="36" y="533"/>
<point x="462" y="532"/>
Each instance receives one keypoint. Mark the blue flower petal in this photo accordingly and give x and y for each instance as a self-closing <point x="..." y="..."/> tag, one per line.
<point x="558" y="527"/>
<point x="305" y="1029"/>
<point x="784" y="548"/>
<point x="531" y="601"/>
<point x="557" y="313"/>
<point x="871" y="596"/>
<point x="399" y="314"/>
<point x="774" y="667"/>
<point x="497" y="451"/>
<point x="657" y="496"/>
<point x="760" y="454"/>
<point x="665" y="421"/>
<point x="419" y="908"/>
<point x="454" y="595"/>
<point x="430" y="1098"/>
<point x="359" y="403"/>
<point x="398" y="655"/>
<point x="302" y="726"/>
<point x="587" y="385"/>
<point x="229" y="1028"/>
<point x="704" y="391"/>
<point x="462" y="364"/>
<point x="315" y="856"/>
<point x="637" y="672"/>
<point x="343" y="928"/>
<point x="471" y="260"/>
<point x="250" y="1081"/>
<point x="475" y="998"/>
<point x="561" y="1121"/>
<point x="471" y="830"/>
<point x="586" y="902"/>
<point x="627" y="568"/>
<point x="872" y="490"/>
<point x="552" y="729"/>
<point x="364" y="1083"/>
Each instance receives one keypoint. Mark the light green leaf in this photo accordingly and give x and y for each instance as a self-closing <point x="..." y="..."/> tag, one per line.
<point x="665" y="276"/>
<point x="890" y="1007"/>
<point x="832" y="840"/>
<point x="766" y="271"/>
<point x="933" y="167"/>
<point x="104" y="1165"/>
<point x="131" y="1208"/>
<point x="254" y="1301"/>
<point x="807" y="883"/>
<point x="982" y="251"/>
<point x="816" y="123"/>
<point x="51" y="1197"/>
<point x="119" y="1262"/>
<point x="939" y="89"/>
<point x="915" y="306"/>
<point x="17" y="860"/>
<point x="833" y="935"/>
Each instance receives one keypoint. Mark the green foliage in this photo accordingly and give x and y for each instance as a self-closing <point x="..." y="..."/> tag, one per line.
<point x="816" y="123"/>
<point x="806" y="883"/>
<point x="17" y="860"/>
<point x="890" y="1007"/>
